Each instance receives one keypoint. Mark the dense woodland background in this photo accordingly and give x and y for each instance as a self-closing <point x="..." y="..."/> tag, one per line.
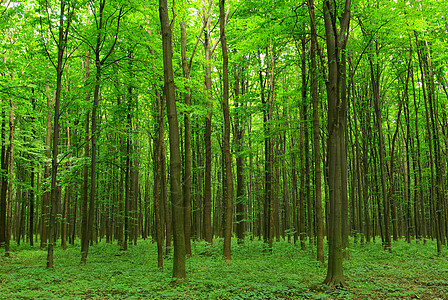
<point x="86" y="147"/>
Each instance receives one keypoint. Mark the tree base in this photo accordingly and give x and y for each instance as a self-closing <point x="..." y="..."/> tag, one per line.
<point x="334" y="282"/>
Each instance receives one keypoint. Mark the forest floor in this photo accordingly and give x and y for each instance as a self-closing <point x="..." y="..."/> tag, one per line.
<point x="411" y="271"/>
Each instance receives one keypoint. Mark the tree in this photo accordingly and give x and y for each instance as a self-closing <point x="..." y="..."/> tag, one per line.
<point x="207" y="214"/>
<point x="175" y="157"/>
<point x="336" y="40"/>
<point x="100" y="60"/>
<point x="228" y="211"/>
<point x="316" y="135"/>
<point x="59" y="65"/>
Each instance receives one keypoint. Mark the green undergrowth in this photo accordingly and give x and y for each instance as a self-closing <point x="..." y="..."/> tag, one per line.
<point x="411" y="271"/>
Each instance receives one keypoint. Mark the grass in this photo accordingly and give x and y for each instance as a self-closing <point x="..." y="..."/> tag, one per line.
<point x="412" y="271"/>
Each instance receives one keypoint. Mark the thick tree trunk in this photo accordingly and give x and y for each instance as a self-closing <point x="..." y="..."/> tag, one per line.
<point x="175" y="156"/>
<point x="337" y="156"/>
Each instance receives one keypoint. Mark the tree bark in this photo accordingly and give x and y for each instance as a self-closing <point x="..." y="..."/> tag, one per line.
<point x="375" y="73"/>
<point x="238" y="137"/>
<point x="157" y="192"/>
<point x="46" y="195"/>
<point x="4" y="182"/>
<point x="11" y="176"/>
<point x="85" y="184"/>
<point x="207" y="214"/>
<point x="62" y="42"/>
<point x="175" y="156"/>
<point x="303" y="153"/>
<point x="316" y="137"/>
<point x="66" y="196"/>
<point x="226" y="142"/>
<point x="187" y="161"/>
<point x="336" y="40"/>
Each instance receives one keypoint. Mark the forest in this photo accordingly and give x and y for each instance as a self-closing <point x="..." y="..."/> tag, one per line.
<point x="200" y="149"/>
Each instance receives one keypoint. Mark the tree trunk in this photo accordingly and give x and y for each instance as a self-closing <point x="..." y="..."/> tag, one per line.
<point x="127" y="168"/>
<point x="85" y="184"/>
<point x="238" y="137"/>
<point x="207" y="217"/>
<point x="46" y="195"/>
<point x="187" y="169"/>
<point x="336" y="44"/>
<point x="157" y="192"/>
<point x="175" y="156"/>
<point x="375" y="73"/>
<point x="286" y="202"/>
<point x="94" y="134"/>
<point x="66" y="200"/>
<point x="303" y="153"/>
<point x="226" y="143"/>
<point x="4" y="182"/>
<point x="62" y="42"/>
<point x="316" y="136"/>
<point x="11" y="176"/>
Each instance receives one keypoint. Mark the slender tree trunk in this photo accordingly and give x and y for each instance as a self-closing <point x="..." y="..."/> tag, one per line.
<point x="85" y="184"/>
<point x="94" y="133"/>
<point x="418" y="191"/>
<point x="62" y="42"/>
<point x="434" y="229"/>
<point x="276" y="193"/>
<point x="375" y="73"/>
<point x="66" y="200"/>
<point x="10" y="183"/>
<point x="434" y="148"/>
<point x="187" y="168"/>
<point x="31" y="202"/>
<point x="267" y="163"/>
<point x="286" y="202"/>
<point x="127" y="168"/>
<point x="238" y="137"/>
<point x="46" y="195"/>
<point x="294" y="197"/>
<point x="157" y="193"/>
<point x="4" y="182"/>
<point x="304" y="152"/>
<point x="226" y="143"/>
<point x="175" y="156"/>
<point x="207" y="217"/>
<point x="316" y="136"/>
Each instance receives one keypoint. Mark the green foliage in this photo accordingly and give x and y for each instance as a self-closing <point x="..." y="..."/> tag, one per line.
<point x="411" y="271"/>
